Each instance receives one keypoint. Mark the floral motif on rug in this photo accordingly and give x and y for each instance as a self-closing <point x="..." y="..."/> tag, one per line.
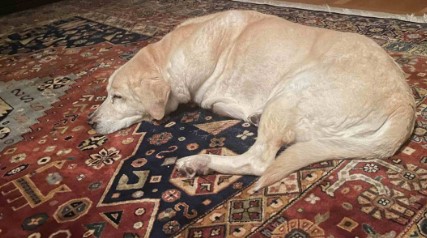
<point x="58" y="178"/>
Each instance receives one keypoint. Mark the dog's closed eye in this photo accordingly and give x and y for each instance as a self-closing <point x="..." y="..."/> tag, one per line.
<point x="116" y="97"/>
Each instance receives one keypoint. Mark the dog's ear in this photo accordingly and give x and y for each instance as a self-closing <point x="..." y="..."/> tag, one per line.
<point x="154" y="95"/>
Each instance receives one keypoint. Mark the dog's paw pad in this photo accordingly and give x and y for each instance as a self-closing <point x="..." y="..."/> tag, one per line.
<point x="193" y="165"/>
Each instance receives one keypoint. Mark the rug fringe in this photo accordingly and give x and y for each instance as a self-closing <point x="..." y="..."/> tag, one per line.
<point x="327" y="8"/>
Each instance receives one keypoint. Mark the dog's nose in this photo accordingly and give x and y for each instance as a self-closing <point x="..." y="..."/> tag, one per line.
<point x="92" y="124"/>
<point x="91" y="121"/>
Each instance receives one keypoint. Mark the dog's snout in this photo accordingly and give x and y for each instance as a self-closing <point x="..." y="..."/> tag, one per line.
<point x="92" y="122"/>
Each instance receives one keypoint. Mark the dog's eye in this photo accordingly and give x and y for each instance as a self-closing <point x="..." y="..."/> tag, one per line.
<point x="115" y="97"/>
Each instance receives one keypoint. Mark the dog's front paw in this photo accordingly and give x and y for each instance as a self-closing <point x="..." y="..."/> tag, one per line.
<point x="193" y="165"/>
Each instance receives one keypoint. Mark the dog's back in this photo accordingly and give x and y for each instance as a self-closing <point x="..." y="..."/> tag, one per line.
<point x="247" y="58"/>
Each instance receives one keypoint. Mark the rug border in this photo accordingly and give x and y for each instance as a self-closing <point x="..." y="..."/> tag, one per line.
<point x="327" y="8"/>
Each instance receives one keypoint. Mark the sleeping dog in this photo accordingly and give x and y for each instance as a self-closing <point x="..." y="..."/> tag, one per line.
<point x="324" y="94"/>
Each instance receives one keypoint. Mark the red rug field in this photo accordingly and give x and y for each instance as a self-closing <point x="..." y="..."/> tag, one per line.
<point x="58" y="178"/>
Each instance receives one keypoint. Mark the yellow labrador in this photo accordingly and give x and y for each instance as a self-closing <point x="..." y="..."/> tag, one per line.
<point x="324" y="94"/>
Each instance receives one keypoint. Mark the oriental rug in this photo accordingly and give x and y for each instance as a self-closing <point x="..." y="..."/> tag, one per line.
<point x="412" y="10"/>
<point x="58" y="178"/>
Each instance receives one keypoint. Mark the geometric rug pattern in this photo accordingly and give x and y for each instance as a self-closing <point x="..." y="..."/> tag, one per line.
<point x="58" y="178"/>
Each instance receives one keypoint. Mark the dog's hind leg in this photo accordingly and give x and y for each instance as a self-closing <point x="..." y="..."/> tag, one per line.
<point x="382" y="142"/>
<point x="302" y="154"/>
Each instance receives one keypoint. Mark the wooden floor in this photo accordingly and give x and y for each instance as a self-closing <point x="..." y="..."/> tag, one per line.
<point x="416" y="7"/>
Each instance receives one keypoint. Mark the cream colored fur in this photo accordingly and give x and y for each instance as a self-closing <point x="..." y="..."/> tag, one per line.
<point x="324" y="94"/>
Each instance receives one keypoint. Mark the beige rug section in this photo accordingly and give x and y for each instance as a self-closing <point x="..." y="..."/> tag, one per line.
<point x="409" y="10"/>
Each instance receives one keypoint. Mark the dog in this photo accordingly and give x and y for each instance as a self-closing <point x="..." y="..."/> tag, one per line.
<point x="324" y="94"/>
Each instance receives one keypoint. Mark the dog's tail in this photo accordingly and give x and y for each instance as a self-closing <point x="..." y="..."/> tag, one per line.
<point x="383" y="143"/>
<point x="302" y="154"/>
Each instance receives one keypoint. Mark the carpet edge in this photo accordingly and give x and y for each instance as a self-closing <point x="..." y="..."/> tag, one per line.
<point x="327" y="8"/>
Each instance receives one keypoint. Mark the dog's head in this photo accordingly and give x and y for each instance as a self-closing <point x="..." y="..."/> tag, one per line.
<point x="133" y="96"/>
